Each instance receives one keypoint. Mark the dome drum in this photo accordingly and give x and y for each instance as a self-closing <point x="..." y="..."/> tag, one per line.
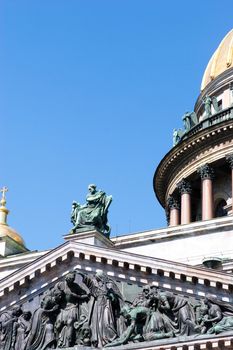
<point x="209" y="146"/>
<point x="196" y="173"/>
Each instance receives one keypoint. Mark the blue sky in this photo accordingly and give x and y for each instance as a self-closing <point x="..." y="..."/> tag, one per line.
<point x="90" y="92"/>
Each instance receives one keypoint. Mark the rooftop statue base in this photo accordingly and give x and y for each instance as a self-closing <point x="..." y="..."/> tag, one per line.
<point x="90" y="235"/>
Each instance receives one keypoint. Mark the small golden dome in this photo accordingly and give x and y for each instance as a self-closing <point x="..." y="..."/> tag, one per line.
<point x="6" y="230"/>
<point x="221" y="60"/>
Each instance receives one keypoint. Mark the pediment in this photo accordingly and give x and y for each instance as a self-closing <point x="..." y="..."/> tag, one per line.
<point x="29" y="285"/>
<point x="124" y="266"/>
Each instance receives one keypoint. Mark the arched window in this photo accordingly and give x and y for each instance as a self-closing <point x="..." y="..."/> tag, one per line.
<point x="219" y="209"/>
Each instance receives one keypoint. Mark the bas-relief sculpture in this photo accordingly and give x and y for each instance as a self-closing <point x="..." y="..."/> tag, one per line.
<point x="93" y="214"/>
<point x="94" y="313"/>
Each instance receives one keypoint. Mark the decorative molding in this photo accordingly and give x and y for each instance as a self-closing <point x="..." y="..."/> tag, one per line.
<point x="206" y="172"/>
<point x="139" y="268"/>
<point x="184" y="187"/>
<point x="172" y="203"/>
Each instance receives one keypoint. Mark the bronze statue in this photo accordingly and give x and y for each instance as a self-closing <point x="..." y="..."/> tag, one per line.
<point x="8" y="326"/>
<point x="42" y="333"/>
<point x="181" y="309"/>
<point x="93" y="214"/>
<point x="220" y="315"/>
<point x="208" y="102"/>
<point x="105" y="308"/>
<point x="70" y="311"/>
<point x="189" y="120"/>
<point x="93" y="313"/>
<point x="23" y="327"/>
<point x="177" y="135"/>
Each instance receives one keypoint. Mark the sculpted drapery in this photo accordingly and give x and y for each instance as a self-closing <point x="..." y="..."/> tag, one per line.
<point x="93" y="312"/>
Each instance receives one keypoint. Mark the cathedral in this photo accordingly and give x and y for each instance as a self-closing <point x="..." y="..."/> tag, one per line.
<point x="169" y="288"/>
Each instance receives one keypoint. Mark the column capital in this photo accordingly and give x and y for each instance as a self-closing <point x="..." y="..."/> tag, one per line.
<point x="206" y="172"/>
<point x="184" y="187"/>
<point x="172" y="203"/>
<point x="229" y="159"/>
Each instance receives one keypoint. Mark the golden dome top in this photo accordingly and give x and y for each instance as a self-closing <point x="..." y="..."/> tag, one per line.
<point x="5" y="230"/>
<point x="221" y="60"/>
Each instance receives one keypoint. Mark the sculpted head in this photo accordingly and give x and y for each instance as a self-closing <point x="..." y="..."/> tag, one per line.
<point x="16" y="310"/>
<point x="58" y="295"/>
<point x="146" y="290"/>
<point x="70" y="277"/>
<point x="27" y="315"/>
<point x="92" y="188"/>
<point x="99" y="275"/>
<point x="74" y="204"/>
<point x="125" y="311"/>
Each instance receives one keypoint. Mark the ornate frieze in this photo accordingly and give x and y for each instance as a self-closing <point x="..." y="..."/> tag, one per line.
<point x="206" y="172"/>
<point x="184" y="187"/>
<point x="90" y="310"/>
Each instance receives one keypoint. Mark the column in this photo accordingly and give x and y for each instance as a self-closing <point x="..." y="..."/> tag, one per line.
<point x="185" y="191"/>
<point x="174" y="211"/>
<point x="229" y="159"/>
<point x="207" y="174"/>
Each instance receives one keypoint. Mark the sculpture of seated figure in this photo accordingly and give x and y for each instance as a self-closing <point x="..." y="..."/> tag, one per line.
<point x="93" y="214"/>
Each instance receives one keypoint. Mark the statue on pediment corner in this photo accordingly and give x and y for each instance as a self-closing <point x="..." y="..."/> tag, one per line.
<point x="93" y="214"/>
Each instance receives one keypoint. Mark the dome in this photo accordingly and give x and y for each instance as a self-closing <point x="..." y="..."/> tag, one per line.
<point x="221" y="60"/>
<point x="6" y="230"/>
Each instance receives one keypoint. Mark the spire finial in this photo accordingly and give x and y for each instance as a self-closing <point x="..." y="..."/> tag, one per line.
<point x="3" y="199"/>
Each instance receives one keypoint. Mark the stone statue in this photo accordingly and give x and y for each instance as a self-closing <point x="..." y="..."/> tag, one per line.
<point x="93" y="214"/>
<point x="71" y="310"/>
<point x="105" y="308"/>
<point x="177" y="135"/>
<point x="208" y="102"/>
<point x="189" y="120"/>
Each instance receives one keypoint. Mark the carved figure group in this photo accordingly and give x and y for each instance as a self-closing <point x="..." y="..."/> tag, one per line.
<point x="93" y="214"/>
<point x="93" y="313"/>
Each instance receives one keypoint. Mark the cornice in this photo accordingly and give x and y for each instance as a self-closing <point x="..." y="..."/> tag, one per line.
<point x="111" y="259"/>
<point x="201" y="342"/>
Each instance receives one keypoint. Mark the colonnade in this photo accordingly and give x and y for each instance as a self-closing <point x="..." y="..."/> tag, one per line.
<point x="179" y="211"/>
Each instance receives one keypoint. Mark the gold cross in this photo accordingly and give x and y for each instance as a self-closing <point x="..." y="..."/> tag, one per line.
<point x="4" y="190"/>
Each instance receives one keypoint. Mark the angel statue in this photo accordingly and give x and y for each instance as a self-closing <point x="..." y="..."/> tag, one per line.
<point x="189" y="120"/>
<point x="208" y="102"/>
<point x="177" y="135"/>
<point x="93" y="214"/>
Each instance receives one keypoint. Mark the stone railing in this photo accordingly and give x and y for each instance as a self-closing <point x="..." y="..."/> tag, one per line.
<point x="214" y="119"/>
